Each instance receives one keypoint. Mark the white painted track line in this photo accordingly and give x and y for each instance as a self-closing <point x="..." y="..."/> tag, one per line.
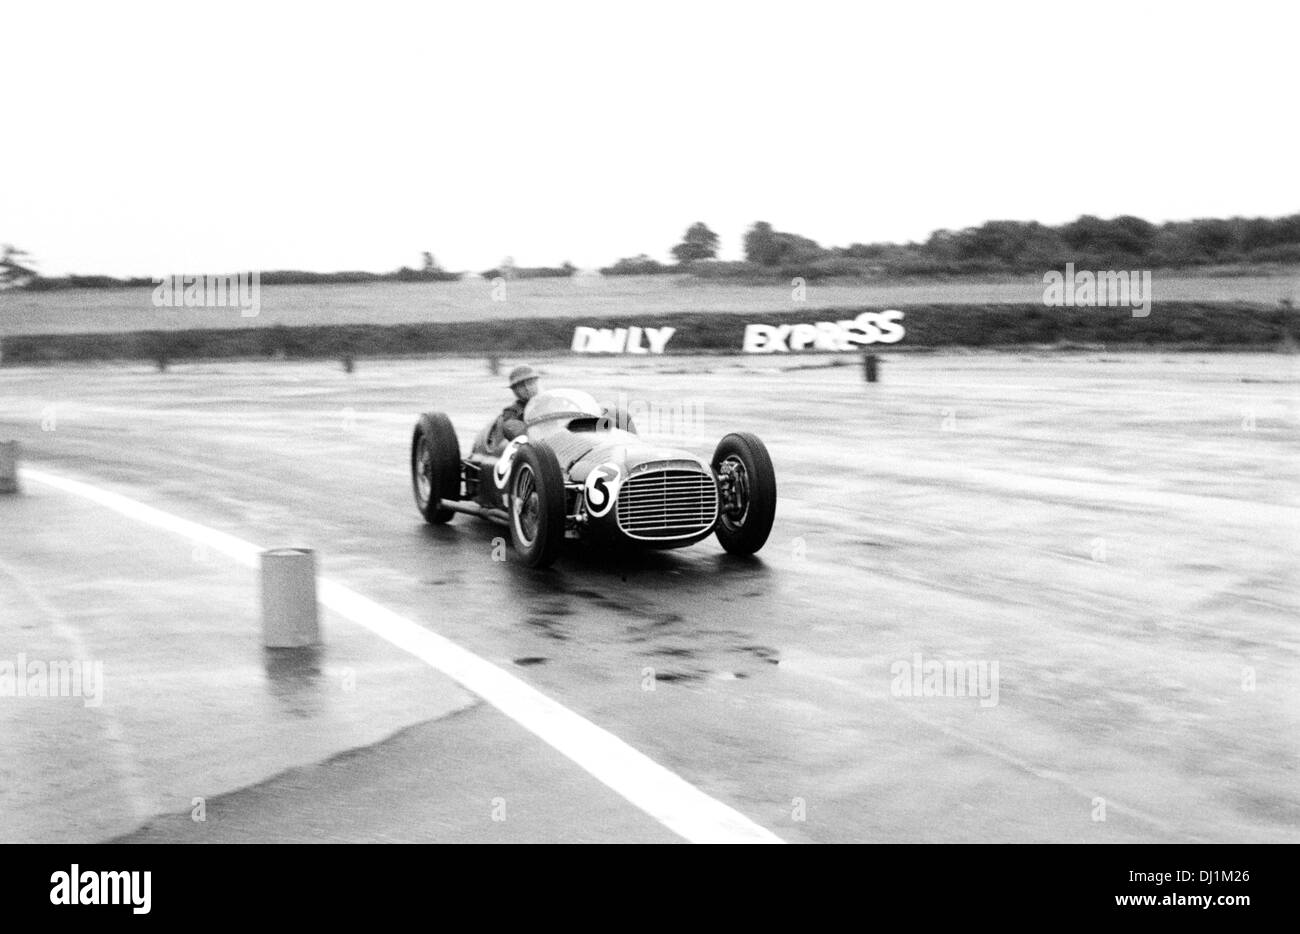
<point x="664" y="795"/>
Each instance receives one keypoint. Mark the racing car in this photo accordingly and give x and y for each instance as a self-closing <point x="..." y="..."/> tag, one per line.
<point x="581" y="471"/>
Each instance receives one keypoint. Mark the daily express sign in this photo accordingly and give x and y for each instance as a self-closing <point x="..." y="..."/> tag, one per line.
<point x="870" y="327"/>
<point x="621" y="340"/>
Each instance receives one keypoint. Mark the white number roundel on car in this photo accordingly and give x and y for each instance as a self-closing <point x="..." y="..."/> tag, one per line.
<point x="602" y="488"/>
<point x="501" y="472"/>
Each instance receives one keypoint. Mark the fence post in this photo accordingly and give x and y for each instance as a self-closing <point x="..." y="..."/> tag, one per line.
<point x="8" y="466"/>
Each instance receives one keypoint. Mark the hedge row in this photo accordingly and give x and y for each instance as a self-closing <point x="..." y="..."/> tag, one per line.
<point x="1195" y="324"/>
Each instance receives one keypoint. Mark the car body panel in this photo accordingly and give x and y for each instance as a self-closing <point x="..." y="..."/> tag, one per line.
<point x="597" y="459"/>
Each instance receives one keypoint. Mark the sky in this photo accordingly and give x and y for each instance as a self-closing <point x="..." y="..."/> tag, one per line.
<point x="143" y="139"/>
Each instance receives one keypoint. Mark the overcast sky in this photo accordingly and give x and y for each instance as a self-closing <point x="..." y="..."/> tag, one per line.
<point x="142" y="139"/>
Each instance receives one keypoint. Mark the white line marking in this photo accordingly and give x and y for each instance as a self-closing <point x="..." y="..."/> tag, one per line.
<point x="664" y="795"/>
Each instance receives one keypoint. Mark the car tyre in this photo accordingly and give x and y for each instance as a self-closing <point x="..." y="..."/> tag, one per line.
<point x="747" y="481"/>
<point x="435" y="467"/>
<point x="536" y="505"/>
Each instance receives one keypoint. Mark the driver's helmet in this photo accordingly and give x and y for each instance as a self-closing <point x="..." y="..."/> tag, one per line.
<point x="521" y="374"/>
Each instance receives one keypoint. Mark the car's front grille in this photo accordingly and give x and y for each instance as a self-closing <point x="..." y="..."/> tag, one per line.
<point x="664" y="504"/>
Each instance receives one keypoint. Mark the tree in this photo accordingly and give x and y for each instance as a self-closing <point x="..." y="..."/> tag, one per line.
<point x="1214" y="237"/>
<point x="769" y="247"/>
<point x="1004" y="245"/>
<point x="13" y="272"/>
<point x="1115" y="243"/>
<point x="639" y="265"/>
<point x="699" y="242"/>
<point x="761" y="246"/>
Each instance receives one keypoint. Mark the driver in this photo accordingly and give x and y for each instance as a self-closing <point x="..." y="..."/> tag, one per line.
<point x="523" y="381"/>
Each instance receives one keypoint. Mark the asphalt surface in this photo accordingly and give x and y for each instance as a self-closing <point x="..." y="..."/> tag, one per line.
<point x="1117" y="534"/>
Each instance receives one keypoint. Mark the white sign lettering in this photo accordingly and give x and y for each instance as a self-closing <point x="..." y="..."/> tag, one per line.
<point x="633" y="340"/>
<point x="870" y="327"/>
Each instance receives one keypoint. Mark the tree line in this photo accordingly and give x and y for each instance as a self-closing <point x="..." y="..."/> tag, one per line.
<point x="994" y="247"/>
<point x="1089" y="242"/>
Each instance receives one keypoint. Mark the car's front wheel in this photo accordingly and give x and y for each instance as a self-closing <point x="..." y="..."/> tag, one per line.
<point x="435" y="467"/>
<point x="537" y="505"/>
<point x="747" y="483"/>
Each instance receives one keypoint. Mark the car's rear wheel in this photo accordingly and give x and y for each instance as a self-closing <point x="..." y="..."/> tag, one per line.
<point x="435" y="467"/>
<point x="747" y="482"/>
<point x="537" y="505"/>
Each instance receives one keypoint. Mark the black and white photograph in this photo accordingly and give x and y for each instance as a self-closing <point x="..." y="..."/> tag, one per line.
<point x="590" y="423"/>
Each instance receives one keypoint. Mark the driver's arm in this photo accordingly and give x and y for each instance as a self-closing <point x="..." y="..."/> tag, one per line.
<point x="511" y="421"/>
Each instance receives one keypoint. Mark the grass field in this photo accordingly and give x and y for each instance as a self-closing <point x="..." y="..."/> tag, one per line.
<point x="110" y="310"/>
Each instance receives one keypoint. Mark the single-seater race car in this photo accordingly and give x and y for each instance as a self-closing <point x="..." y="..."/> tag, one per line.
<point x="581" y="471"/>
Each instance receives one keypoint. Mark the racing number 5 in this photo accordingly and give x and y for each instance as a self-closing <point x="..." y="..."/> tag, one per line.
<point x="601" y="485"/>
<point x="501" y="472"/>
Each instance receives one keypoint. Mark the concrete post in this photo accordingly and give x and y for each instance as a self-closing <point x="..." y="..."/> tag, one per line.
<point x="869" y="367"/>
<point x="289" y="615"/>
<point x="8" y="466"/>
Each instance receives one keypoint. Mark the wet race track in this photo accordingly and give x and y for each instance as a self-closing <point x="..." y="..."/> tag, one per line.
<point x="1109" y="541"/>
